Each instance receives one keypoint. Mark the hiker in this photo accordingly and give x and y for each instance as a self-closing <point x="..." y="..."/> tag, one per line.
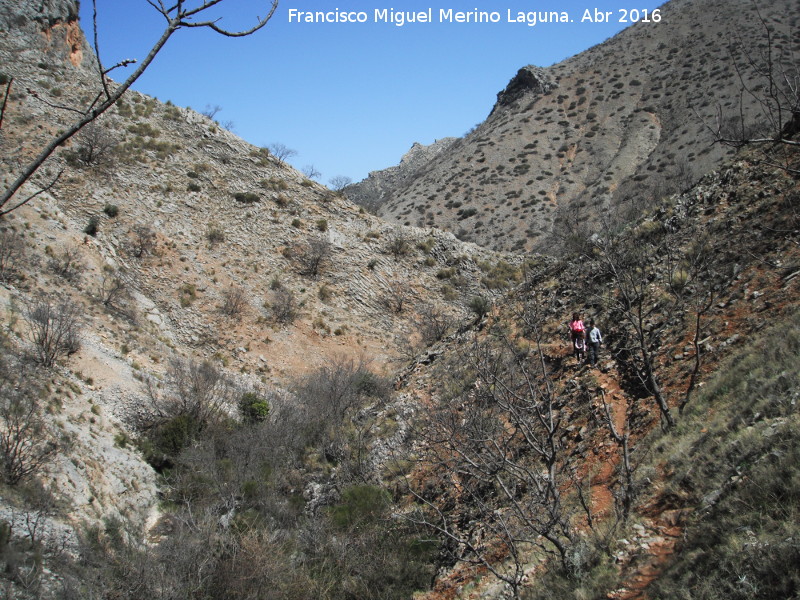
<point x="577" y="332"/>
<point x="595" y="339"/>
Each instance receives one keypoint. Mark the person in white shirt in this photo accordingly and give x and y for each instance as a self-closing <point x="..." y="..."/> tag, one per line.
<point x="595" y="339"/>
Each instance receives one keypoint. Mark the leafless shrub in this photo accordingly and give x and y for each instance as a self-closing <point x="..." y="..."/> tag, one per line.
<point x="67" y="264"/>
<point x="96" y="145"/>
<point x="396" y="297"/>
<point x="12" y="252"/>
<point x="142" y="240"/>
<point x="283" y="306"/>
<point x="26" y="443"/>
<point x="312" y="256"/>
<point x="311" y="172"/>
<point x="339" y="182"/>
<point x="281" y="152"/>
<point x="234" y="301"/>
<point x="53" y="329"/>
<point x="114" y="290"/>
<point x="398" y="245"/>
<point x="211" y="111"/>
<point x="201" y="389"/>
<point x="433" y="323"/>
<point x="215" y="235"/>
<point x="331" y="393"/>
<point x="501" y="437"/>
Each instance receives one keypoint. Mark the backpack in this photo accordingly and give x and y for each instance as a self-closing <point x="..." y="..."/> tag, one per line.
<point x="576" y="327"/>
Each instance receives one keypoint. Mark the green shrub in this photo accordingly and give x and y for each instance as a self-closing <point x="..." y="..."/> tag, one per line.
<point x="193" y="187"/>
<point x="168" y="439"/>
<point x="93" y="226"/>
<point x="360" y="505"/>
<point x="187" y="294"/>
<point x="112" y="210"/>
<point x="480" y="306"/>
<point x="253" y="408"/>
<point x="246" y="197"/>
<point x="500" y="275"/>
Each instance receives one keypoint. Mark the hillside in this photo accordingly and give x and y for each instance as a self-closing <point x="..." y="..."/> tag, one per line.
<point x="617" y="126"/>
<point x="260" y="390"/>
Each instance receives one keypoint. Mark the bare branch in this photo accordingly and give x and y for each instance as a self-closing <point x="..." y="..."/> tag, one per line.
<point x="94" y="110"/>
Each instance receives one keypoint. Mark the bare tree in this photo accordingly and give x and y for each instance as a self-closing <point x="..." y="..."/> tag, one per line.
<point x="497" y="449"/>
<point x="433" y="322"/>
<point x="53" y="329"/>
<point x="12" y="251"/>
<point x="234" y="301"/>
<point x="649" y="284"/>
<point x="281" y="151"/>
<point x="701" y="290"/>
<point x="311" y="172"/>
<point x="197" y="392"/>
<point x="339" y="182"/>
<point x="312" y="256"/>
<point x="26" y="444"/>
<point x="95" y="145"/>
<point x="142" y="240"/>
<point x="67" y="263"/>
<point x="114" y="289"/>
<point x="211" y="111"/>
<point x="178" y="16"/>
<point x="622" y="439"/>
<point x="283" y="306"/>
<point x="396" y="297"/>
<point x="768" y="110"/>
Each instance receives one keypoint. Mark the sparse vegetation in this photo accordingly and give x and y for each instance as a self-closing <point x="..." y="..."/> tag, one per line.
<point x="54" y="329"/>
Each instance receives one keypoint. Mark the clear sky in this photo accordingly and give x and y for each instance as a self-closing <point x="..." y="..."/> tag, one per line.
<point x="348" y="97"/>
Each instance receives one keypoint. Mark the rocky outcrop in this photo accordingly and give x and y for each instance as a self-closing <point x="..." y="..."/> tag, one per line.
<point x="48" y="26"/>
<point x="530" y="79"/>
<point x="372" y="192"/>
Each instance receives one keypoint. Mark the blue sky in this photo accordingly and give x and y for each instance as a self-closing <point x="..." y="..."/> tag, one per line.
<point x="348" y="97"/>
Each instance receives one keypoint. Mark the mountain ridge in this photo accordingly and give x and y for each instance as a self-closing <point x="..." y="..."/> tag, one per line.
<point x="630" y="120"/>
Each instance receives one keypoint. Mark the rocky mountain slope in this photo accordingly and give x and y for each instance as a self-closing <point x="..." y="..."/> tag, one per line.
<point x="626" y="120"/>
<point x="177" y="241"/>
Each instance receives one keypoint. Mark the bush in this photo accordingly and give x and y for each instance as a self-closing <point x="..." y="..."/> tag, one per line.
<point x="480" y="306"/>
<point x="246" y="197"/>
<point x="68" y="264"/>
<point x="398" y="245"/>
<point x="143" y="240"/>
<point x="12" y="251"/>
<point x="93" y="226"/>
<point x="54" y="330"/>
<point x="313" y="256"/>
<point x="234" y="301"/>
<point x="253" y="407"/>
<point x="215" y="235"/>
<point x="26" y="444"/>
<point x="112" y="210"/>
<point x="284" y="306"/>
<point x="360" y="504"/>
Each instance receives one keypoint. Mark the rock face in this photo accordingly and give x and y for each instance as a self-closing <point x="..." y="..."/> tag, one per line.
<point x="46" y="26"/>
<point x="529" y="80"/>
